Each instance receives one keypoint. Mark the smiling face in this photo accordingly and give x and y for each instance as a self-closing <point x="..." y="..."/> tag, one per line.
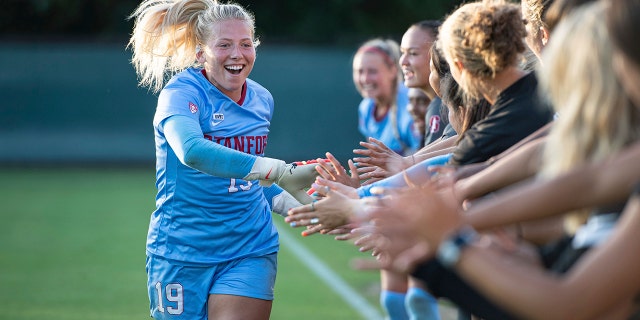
<point x="373" y="77"/>
<point x="415" y="46"/>
<point x="228" y="56"/>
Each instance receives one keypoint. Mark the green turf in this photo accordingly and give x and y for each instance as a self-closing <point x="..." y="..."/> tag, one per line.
<point x="305" y="294"/>
<point x="73" y="248"/>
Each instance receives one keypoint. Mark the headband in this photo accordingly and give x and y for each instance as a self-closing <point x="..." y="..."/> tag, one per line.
<point x="376" y="49"/>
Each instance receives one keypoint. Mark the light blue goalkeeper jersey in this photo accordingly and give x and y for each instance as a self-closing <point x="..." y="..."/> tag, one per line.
<point x="199" y="218"/>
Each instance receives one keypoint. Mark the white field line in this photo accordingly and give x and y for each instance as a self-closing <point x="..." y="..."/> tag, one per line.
<point x="334" y="281"/>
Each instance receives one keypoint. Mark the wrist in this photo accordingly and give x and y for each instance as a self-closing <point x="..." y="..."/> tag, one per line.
<point x="267" y="170"/>
<point x="450" y="250"/>
<point x="460" y="190"/>
<point x="408" y="161"/>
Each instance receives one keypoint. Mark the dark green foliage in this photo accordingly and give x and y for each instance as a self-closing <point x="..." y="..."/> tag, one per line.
<point x="314" y="22"/>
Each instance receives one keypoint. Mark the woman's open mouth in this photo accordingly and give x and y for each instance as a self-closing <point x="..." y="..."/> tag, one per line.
<point x="234" y="68"/>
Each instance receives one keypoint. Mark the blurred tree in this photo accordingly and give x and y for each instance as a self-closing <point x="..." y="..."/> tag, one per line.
<point x="341" y="21"/>
<point x="95" y="18"/>
<point x="311" y="22"/>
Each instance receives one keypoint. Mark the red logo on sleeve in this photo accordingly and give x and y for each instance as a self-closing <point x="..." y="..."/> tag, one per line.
<point x="193" y="107"/>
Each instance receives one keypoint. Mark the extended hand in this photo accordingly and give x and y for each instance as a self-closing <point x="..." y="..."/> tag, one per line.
<point x="332" y="211"/>
<point x="297" y="177"/>
<point x="377" y="154"/>
<point x="334" y="171"/>
<point x="409" y="224"/>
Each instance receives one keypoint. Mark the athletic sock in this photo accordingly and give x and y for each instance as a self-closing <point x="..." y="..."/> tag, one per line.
<point x="421" y="305"/>
<point x="393" y="305"/>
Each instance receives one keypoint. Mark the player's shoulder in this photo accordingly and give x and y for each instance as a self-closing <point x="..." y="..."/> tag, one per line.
<point x="189" y="78"/>
<point x="186" y="83"/>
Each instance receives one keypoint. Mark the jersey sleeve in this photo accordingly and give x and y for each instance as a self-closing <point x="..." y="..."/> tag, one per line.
<point x="192" y="149"/>
<point x="177" y="100"/>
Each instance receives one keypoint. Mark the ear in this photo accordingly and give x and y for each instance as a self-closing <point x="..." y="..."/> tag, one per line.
<point x="544" y="36"/>
<point x="200" y="55"/>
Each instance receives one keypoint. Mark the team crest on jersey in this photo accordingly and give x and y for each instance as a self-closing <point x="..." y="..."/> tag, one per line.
<point x="434" y="124"/>
<point x="217" y="118"/>
<point x="192" y="107"/>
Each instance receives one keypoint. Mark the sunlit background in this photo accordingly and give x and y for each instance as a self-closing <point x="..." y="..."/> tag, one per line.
<point x="69" y="94"/>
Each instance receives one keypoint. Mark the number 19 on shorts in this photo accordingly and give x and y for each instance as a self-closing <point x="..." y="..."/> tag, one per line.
<point x="173" y="294"/>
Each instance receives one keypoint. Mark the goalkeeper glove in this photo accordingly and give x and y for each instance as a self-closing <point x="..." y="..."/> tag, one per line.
<point x="283" y="202"/>
<point x="294" y="177"/>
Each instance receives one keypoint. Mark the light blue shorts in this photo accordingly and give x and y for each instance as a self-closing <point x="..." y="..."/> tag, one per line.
<point x="181" y="292"/>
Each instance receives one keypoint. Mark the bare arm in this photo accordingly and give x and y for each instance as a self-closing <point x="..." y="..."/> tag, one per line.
<point x="600" y="283"/>
<point x="517" y="166"/>
<point x="376" y="154"/>
<point x="471" y="169"/>
<point x="423" y="156"/>
<point x="438" y="145"/>
<point x="592" y="184"/>
<point x="468" y="170"/>
<point x="603" y="282"/>
<point x="429" y="215"/>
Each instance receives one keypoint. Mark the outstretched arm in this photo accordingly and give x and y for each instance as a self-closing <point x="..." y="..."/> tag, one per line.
<point x="422" y="213"/>
<point x="185" y="137"/>
<point x="389" y="163"/>
<point x="418" y="174"/>
<point x="438" y="145"/>
<point x="604" y="282"/>
<point x="469" y="170"/>
<point x="517" y="166"/>
<point x="601" y="183"/>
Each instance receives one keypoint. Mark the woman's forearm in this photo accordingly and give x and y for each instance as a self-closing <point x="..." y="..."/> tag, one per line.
<point x="588" y="185"/>
<point x="518" y="166"/>
<point x="602" y="280"/>
<point x="439" y="152"/>
<point x="435" y="146"/>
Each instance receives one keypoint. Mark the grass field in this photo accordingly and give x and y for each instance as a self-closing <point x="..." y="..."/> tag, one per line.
<point x="73" y="248"/>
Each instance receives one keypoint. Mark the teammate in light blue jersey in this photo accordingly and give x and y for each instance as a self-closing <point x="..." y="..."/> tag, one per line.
<point x="211" y="245"/>
<point x="382" y="114"/>
<point x="395" y="128"/>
